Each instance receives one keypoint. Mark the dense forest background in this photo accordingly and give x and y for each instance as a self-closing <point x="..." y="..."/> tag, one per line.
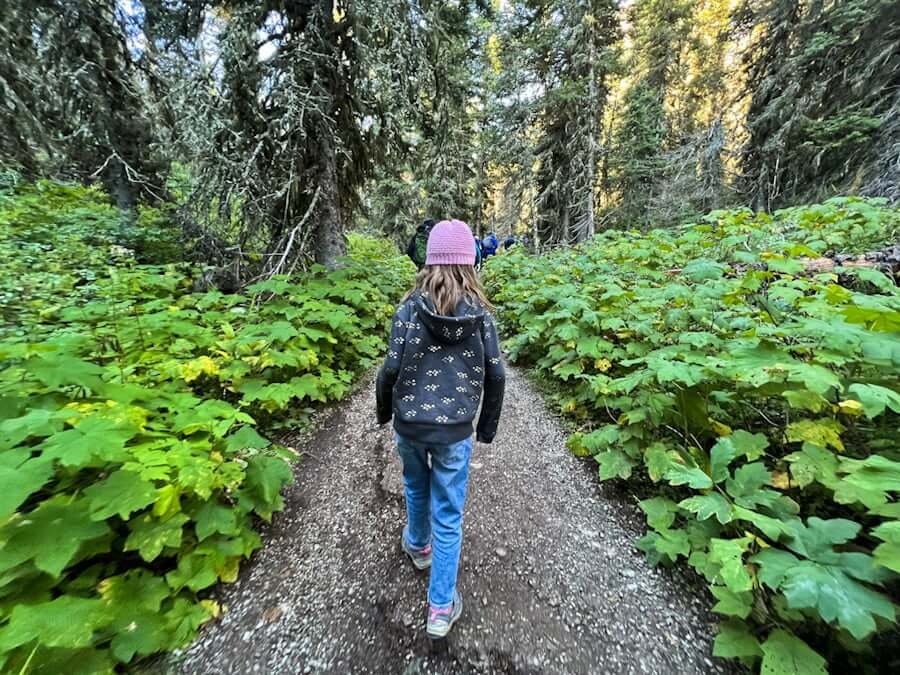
<point x="275" y="126"/>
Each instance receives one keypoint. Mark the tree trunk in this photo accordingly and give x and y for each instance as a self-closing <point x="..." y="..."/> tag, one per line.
<point x="118" y="185"/>
<point x="330" y="242"/>
<point x="593" y="124"/>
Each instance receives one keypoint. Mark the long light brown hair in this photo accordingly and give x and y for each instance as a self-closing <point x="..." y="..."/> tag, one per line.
<point x="446" y="285"/>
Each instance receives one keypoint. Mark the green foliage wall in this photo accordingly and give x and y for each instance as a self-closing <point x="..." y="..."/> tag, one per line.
<point x="761" y="400"/>
<point x="132" y="471"/>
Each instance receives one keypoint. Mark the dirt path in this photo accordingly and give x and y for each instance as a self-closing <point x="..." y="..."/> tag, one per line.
<point x="550" y="577"/>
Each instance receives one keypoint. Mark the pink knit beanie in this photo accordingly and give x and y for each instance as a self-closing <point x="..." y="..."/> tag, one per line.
<point x="450" y="243"/>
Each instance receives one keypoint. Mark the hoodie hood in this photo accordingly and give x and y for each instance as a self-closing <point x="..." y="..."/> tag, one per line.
<point x="450" y="330"/>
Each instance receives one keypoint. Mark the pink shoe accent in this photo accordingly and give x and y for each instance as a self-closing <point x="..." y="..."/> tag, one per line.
<point x="426" y="550"/>
<point x="435" y="613"/>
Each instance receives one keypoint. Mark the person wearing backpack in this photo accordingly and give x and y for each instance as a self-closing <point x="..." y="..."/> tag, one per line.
<point x="489" y="245"/>
<point x="478" y="254"/>
<point x="418" y="244"/>
<point x="443" y="362"/>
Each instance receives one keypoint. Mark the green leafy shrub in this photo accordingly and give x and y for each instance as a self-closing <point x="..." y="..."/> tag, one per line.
<point x="131" y="468"/>
<point x="764" y="401"/>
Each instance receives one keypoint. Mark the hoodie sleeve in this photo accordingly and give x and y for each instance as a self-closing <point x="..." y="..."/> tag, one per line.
<point x="494" y="383"/>
<point x="390" y="369"/>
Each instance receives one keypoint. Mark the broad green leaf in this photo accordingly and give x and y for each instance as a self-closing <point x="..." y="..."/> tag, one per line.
<point x="660" y="512"/>
<point x="773" y="566"/>
<point x="266" y="476"/>
<point x="875" y="277"/>
<point x="806" y="400"/>
<point x="824" y="582"/>
<point x="280" y="331"/>
<point x="720" y="457"/>
<point x="664" y="545"/>
<point x="692" y="476"/>
<point x="735" y="640"/>
<point x="875" y="398"/>
<point x="745" y="487"/>
<point x="786" y="654"/>
<point x="137" y="588"/>
<point x="121" y="493"/>
<point x="728" y="554"/>
<point x="835" y="596"/>
<point x="195" y="572"/>
<point x="213" y="518"/>
<point x="817" y="538"/>
<point x="245" y="438"/>
<point x="813" y="463"/>
<point x="875" y="473"/>
<point x="38" y="535"/>
<point x="657" y="459"/>
<point x="614" y="464"/>
<point x="771" y="527"/>
<point x="817" y="379"/>
<point x="887" y="554"/>
<point x="132" y="600"/>
<point x="35" y="423"/>
<point x="673" y="543"/>
<point x="145" y="634"/>
<point x="307" y="386"/>
<point x="17" y="483"/>
<point x="185" y="618"/>
<point x="149" y="535"/>
<point x="67" y="621"/>
<point x="59" y="371"/>
<point x="731" y="603"/>
<point x="703" y="270"/>
<point x="752" y="446"/>
<point x="93" y="438"/>
<point x="706" y="506"/>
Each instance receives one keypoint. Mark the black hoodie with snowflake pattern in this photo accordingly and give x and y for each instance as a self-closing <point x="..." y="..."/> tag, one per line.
<point x="437" y="371"/>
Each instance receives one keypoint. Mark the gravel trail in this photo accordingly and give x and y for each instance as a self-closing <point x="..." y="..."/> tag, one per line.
<point x="550" y="578"/>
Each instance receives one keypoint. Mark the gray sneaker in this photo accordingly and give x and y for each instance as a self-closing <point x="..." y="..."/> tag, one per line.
<point x="421" y="558"/>
<point x="440" y="621"/>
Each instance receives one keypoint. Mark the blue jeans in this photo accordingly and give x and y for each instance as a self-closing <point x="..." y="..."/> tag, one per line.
<point x="435" y="497"/>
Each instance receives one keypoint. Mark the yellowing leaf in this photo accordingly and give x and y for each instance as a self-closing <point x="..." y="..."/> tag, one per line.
<point x="822" y="432"/>
<point x="720" y="428"/>
<point x="202" y="365"/>
<point x="781" y="480"/>
<point x="851" y="407"/>
<point x="602" y="365"/>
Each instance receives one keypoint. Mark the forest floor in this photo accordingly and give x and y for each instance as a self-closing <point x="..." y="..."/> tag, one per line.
<point x="550" y="578"/>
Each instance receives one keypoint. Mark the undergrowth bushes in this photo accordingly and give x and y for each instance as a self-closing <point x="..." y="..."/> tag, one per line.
<point x="131" y="469"/>
<point x="762" y="399"/>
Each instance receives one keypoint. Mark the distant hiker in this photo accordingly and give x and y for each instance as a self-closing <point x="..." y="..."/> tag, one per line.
<point x="489" y="245"/>
<point x="416" y="250"/>
<point x="478" y="253"/>
<point x="509" y="242"/>
<point x="443" y="360"/>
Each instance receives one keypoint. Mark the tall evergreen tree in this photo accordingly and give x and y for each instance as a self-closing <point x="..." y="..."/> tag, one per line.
<point x="821" y="81"/>
<point x="71" y="99"/>
<point x="292" y="116"/>
<point x="574" y="48"/>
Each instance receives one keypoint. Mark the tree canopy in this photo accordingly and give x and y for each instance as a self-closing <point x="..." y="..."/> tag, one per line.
<point x="280" y="125"/>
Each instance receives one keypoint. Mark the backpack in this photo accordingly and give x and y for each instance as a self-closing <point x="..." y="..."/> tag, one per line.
<point x="489" y="245"/>
<point x="420" y="246"/>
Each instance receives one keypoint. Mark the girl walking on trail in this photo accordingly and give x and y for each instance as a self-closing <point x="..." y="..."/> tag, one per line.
<point x="443" y="361"/>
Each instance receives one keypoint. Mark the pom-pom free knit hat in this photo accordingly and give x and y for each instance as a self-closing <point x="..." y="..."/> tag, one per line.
<point x="450" y="243"/>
